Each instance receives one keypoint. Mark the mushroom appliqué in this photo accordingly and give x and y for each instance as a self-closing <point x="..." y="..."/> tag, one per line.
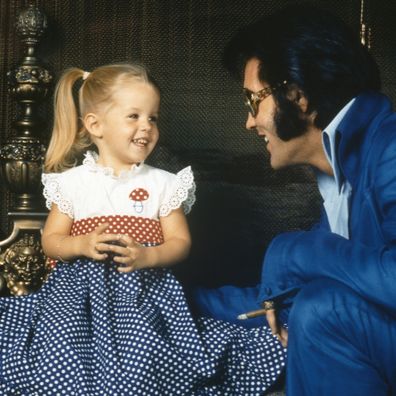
<point x="138" y="195"/>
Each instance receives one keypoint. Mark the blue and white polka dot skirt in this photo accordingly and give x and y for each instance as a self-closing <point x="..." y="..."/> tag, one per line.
<point x="91" y="330"/>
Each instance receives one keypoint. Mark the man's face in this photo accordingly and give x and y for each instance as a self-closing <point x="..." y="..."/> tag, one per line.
<point x="282" y="153"/>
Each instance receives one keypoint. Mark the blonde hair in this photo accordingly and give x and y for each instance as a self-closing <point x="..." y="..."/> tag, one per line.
<point x="69" y="137"/>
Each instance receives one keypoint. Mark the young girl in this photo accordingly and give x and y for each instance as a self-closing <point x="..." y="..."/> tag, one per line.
<point x="112" y="319"/>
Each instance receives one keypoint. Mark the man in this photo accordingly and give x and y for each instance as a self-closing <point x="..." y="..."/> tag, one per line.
<point x="313" y="95"/>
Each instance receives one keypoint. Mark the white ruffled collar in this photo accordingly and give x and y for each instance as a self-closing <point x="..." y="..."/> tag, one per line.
<point x="90" y="161"/>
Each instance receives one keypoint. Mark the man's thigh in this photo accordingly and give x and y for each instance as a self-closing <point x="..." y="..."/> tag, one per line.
<point x="339" y="343"/>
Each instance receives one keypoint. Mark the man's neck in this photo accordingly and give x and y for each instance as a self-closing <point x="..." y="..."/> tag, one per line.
<point x="317" y="156"/>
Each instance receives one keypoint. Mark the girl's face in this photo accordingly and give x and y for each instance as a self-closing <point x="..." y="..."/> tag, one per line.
<point x="126" y="132"/>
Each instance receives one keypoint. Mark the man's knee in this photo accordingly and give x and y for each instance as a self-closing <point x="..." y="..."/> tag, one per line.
<point x="320" y="304"/>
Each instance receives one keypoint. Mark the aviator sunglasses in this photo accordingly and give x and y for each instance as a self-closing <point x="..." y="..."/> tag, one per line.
<point x="253" y="99"/>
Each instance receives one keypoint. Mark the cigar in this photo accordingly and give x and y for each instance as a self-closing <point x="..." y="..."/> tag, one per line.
<point x="252" y="314"/>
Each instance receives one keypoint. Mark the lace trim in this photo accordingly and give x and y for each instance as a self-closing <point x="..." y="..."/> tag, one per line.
<point x="90" y="161"/>
<point x="184" y="194"/>
<point x="52" y="194"/>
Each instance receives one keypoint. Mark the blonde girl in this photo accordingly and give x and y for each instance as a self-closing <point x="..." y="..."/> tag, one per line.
<point x="117" y="114"/>
<point x="112" y="319"/>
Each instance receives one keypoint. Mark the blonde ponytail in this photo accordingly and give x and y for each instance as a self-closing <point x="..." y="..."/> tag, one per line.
<point x="69" y="137"/>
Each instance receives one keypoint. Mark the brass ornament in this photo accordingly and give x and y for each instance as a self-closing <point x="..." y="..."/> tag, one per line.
<point x="24" y="265"/>
<point x="31" y="24"/>
<point x="21" y="167"/>
<point x="22" y="262"/>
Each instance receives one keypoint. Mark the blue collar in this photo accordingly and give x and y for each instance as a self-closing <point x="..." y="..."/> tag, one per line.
<point x="357" y="130"/>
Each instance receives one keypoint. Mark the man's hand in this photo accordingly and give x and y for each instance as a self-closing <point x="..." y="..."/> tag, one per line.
<point x="276" y="329"/>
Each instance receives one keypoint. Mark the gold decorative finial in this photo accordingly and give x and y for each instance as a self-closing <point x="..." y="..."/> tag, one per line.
<point x="365" y="29"/>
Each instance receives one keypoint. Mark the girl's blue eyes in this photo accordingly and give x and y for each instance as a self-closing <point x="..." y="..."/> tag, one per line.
<point x="152" y="119"/>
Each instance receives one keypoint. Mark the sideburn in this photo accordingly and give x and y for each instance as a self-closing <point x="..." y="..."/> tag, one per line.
<point x="289" y="119"/>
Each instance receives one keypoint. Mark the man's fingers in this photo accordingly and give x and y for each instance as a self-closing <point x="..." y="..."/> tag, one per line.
<point x="277" y="330"/>
<point x="272" y="321"/>
<point x="283" y="337"/>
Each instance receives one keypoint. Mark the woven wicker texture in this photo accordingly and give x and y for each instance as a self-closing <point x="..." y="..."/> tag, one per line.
<point x="241" y="202"/>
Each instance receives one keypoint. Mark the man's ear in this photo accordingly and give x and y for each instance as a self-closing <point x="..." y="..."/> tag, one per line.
<point x="92" y="125"/>
<point x="302" y="101"/>
<point x="297" y="95"/>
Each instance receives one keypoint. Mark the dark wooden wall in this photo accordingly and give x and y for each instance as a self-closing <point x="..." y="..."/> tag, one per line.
<point x="241" y="202"/>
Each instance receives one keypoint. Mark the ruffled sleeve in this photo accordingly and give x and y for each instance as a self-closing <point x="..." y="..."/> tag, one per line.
<point x="55" y="192"/>
<point x="181" y="193"/>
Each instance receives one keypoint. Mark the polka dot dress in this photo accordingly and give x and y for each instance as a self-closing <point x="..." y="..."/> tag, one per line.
<point x="91" y="330"/>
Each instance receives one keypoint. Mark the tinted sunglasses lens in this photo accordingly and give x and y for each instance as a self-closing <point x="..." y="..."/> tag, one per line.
<point x="252" y="108"/>
<point x="249" y="104"/>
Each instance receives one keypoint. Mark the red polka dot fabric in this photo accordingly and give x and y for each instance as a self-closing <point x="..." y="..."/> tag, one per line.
<point x="139" y="194"/>
<point x="141" y="229"/>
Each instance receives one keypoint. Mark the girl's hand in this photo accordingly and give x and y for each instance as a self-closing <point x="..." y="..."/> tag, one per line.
<point x="129" y="253"/>
<point x="95" y="244"/>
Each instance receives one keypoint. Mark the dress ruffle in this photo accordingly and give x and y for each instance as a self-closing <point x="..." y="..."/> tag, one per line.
<point x="183" y="195"/>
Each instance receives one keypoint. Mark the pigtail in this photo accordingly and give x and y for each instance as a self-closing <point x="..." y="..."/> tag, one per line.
<point x="68" y="138"/>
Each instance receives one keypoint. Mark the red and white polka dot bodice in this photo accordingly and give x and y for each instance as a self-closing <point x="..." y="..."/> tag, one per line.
<point x="132" y="202"/>
<point x="142" y="230"/>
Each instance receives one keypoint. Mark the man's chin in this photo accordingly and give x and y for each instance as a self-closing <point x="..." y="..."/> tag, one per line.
<point x="274" y="164"/>
<point x="277" y="165"/>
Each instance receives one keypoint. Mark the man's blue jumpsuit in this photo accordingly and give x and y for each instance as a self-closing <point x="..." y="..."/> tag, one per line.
<point x="342" y="321"/>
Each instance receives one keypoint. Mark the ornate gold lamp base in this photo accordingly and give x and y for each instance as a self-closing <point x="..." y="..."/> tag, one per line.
<point x="23" y="265"/>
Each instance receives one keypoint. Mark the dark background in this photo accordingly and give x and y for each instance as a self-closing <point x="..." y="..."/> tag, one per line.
<point x="241" y="203"/>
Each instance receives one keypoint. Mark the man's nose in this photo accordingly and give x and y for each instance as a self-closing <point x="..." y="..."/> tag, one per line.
<point x="250" y="122"/>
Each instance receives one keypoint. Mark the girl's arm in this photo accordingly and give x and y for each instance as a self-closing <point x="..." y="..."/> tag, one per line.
<point x="176" y="246"/>
<point x="58" y="244"/>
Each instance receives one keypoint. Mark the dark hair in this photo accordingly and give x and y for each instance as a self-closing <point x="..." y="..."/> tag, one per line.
<point x="314" y="52"/>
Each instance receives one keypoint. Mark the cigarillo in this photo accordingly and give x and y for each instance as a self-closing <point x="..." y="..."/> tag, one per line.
<point x="252" y="314"/>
